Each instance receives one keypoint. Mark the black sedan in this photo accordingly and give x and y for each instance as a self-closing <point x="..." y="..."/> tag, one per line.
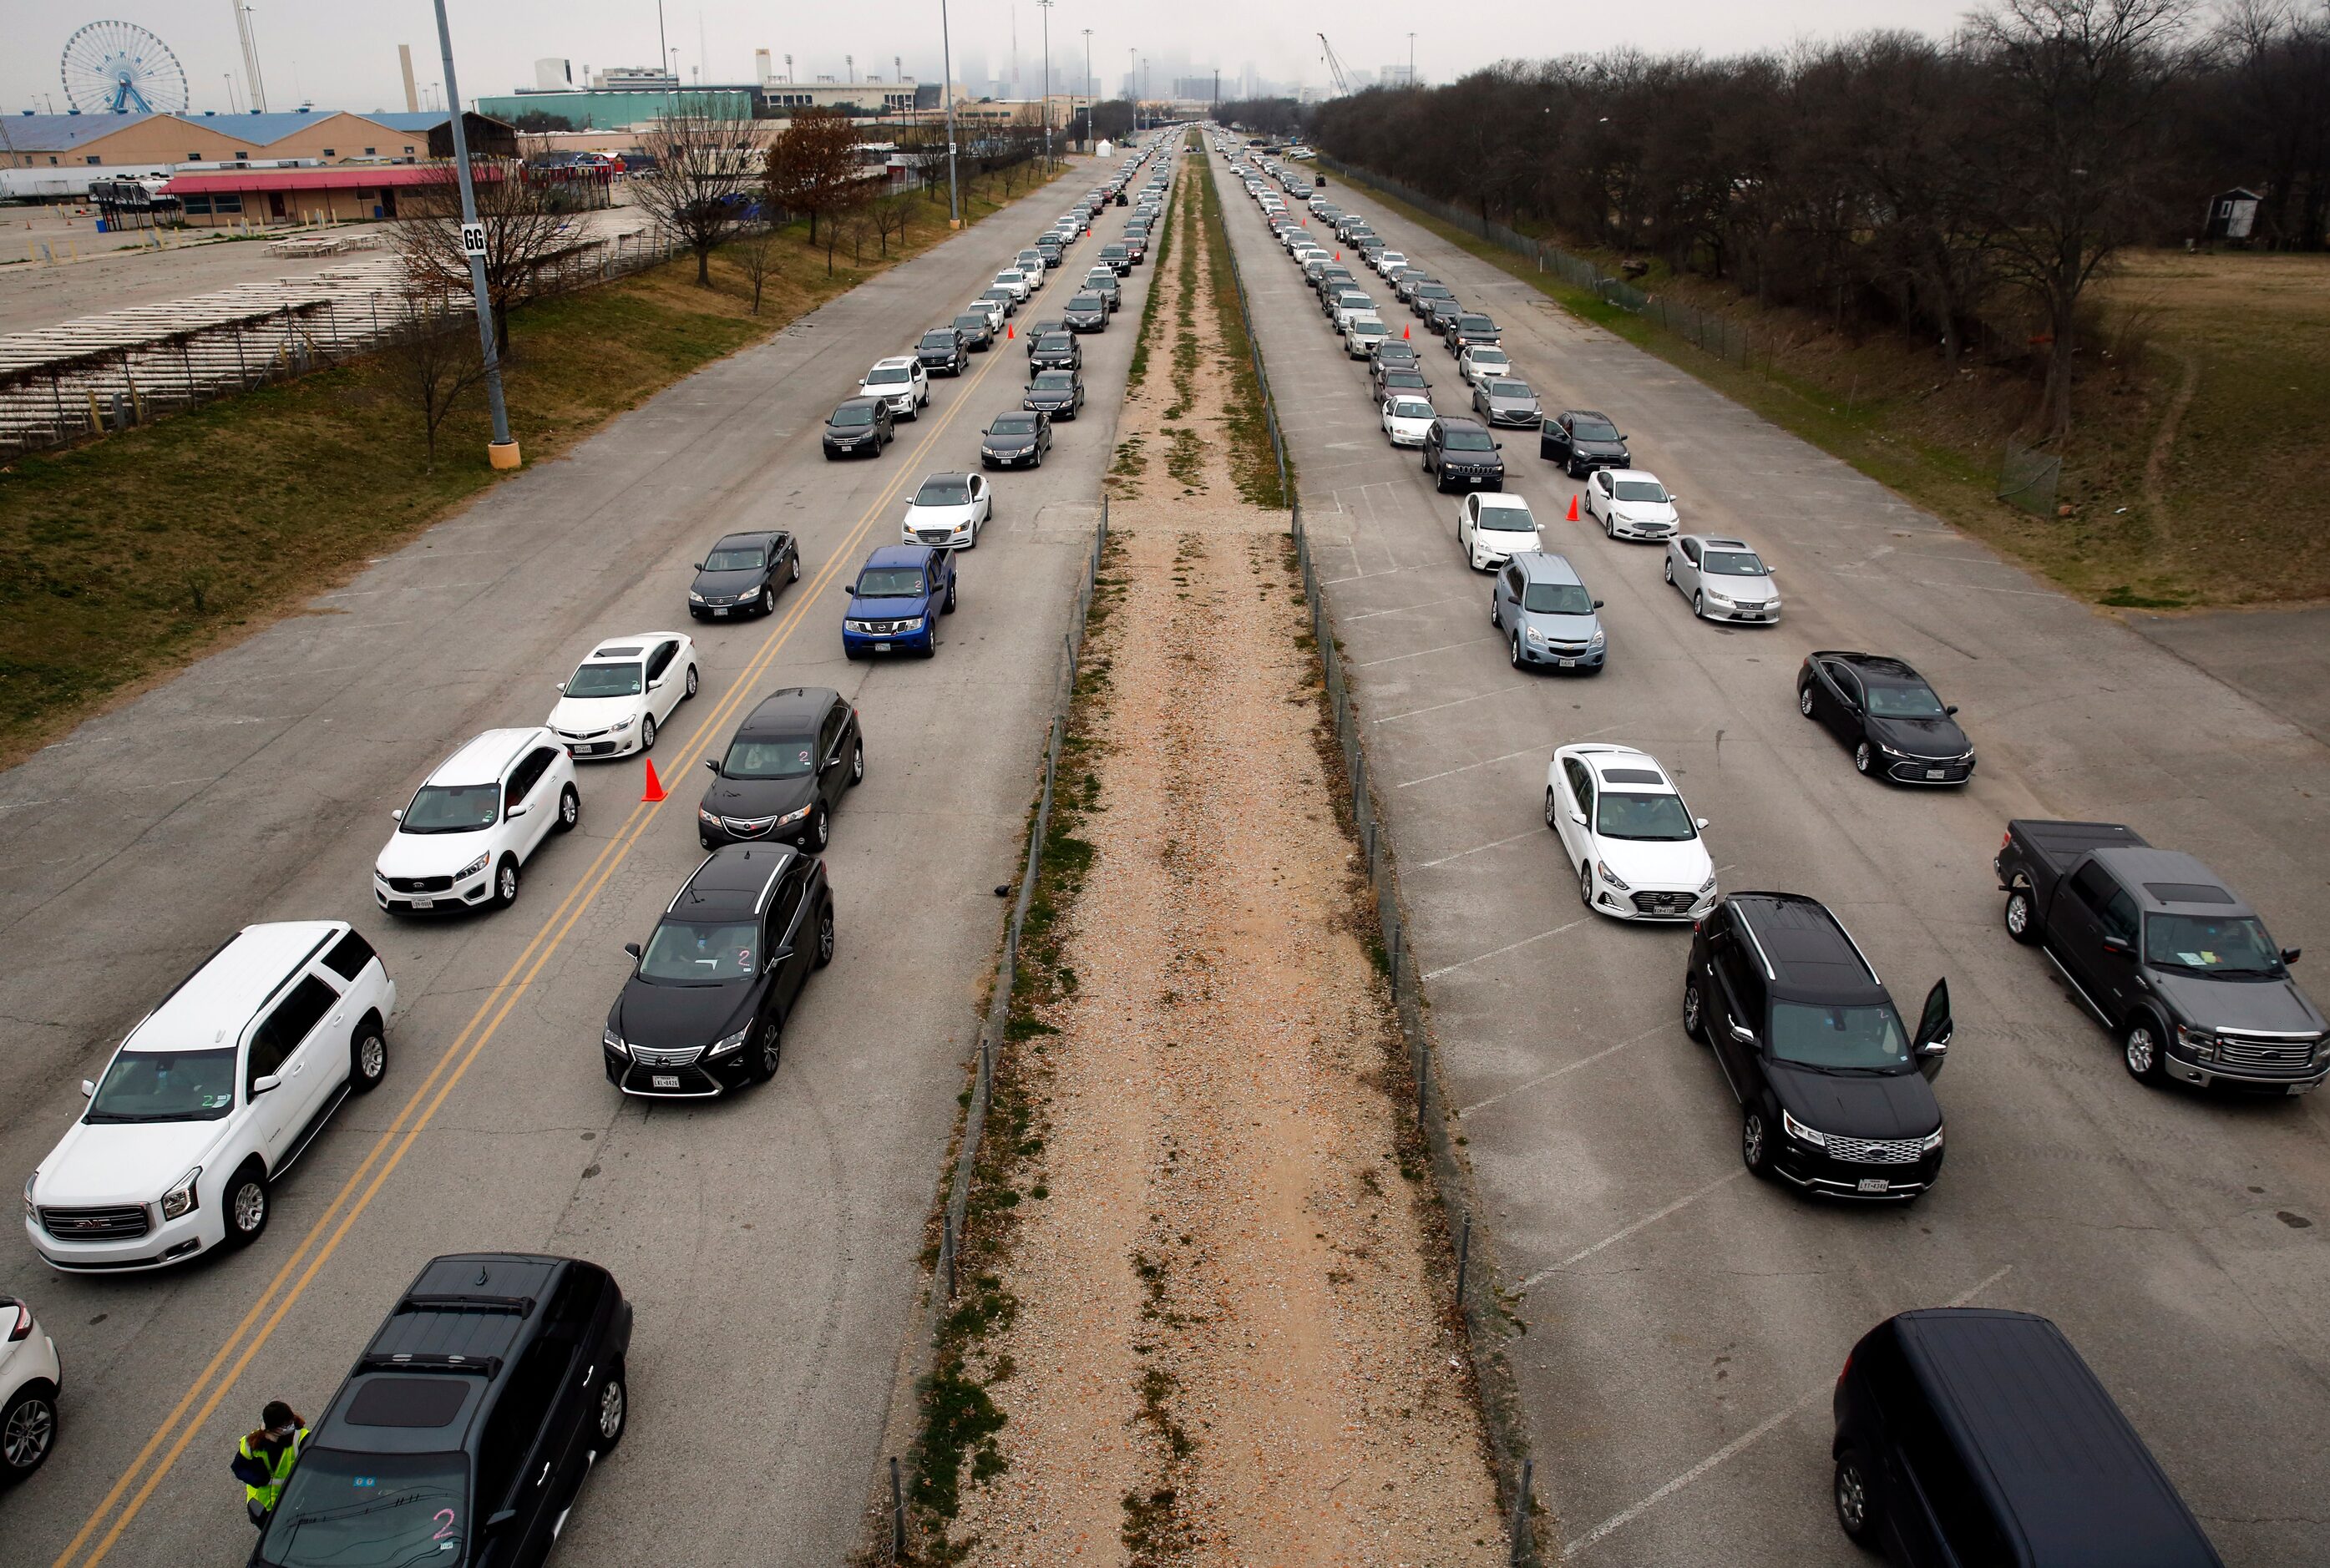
<point x="1888" y="717"/>
<point x="1390" y="384"/>
<point x="1039" y="331"/>
<point x="978" y="333"/>
<point x="784" y="771"/>
<point x="1017" y="441"/>
<point x="1058" y="393"/>
<point x="942" y="352"/>
<point x="1057" y="351"/>
<point x="859" y="427"/>
<point x="1086" y="313"/>
<point x="742" y="574"/>
<point x="1581" y="441"/>
<point x="703" y="1011"/>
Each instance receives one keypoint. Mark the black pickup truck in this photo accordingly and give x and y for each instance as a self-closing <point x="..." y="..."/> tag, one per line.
<point x="2169" y="959"/>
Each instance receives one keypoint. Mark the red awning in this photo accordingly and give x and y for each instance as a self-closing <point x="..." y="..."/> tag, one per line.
<point x="335" y="177"/>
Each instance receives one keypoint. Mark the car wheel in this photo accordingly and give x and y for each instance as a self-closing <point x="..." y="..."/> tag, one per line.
<point x="1694" y="1008"/>
<point x="2022" y="923"/>
<point x="2140" y="1054"/>
<point x="825" y="935"/>
<point x="1862" y="758"/>
<point x="796" y="570"/>
<point x="821" y="827"/>
<point x="367" y="1056"/>
<point x="766" y="1053"/>
<point x="688" y="689"/>
<point x="28" y="1431"/>
<point x="1585" y="881"/>
<point x="949" y="608"/>
<point x="648" y="733"/>
<point x="570" y="810"/>
<point x="858" y="764"/>
<point x="506" y="882"/>
<point x="614" y="1410"/>
<point x="1550" y="808"/>
<point x="1804" y="701"/>
<point x="1666" y="569"/>
<point x="1856" y="1510"/>
<point x="246" y="1204"/>
<point x="768" y="602"/>
<point x="1755" y="1143"/>
<point x="1699" y="606"/>
<point x="1496" y="617"/>
<point x="1518" y="660"/>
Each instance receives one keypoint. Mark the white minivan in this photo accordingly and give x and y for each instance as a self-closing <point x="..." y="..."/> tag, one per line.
<point x="211" y="1097"/>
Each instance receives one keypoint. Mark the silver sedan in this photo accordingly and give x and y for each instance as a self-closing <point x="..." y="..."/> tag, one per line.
<point x="1723" y="579"/>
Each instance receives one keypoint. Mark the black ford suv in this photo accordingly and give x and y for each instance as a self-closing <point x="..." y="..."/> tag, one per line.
<point x="2164" y="955"/>
<point x="1835" y="1094"/>
<point x="785" y="772"/>
<point x="463" y="1434"/>
<point x="703" y="1011"/>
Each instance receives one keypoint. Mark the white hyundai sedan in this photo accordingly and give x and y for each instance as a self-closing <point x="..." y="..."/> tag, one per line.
<point x="949" y="510"/>
<point x="622" y="692"/>
<point x="1493" y="527"/>
<point x="1634" y="846"/>
<point x="1405" y="421"/>
<point x="480" y="816"/>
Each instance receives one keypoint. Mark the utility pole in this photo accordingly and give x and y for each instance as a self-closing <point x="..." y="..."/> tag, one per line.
<point x="946" y="96"/>
<point x="663" y="45"/>
<point x="1046" y="7"/>
<point x="1133" y="83"/>
<point x="1092" y="94"/>
<point x="1411" y="60"/>
<point x="504" y="452"/>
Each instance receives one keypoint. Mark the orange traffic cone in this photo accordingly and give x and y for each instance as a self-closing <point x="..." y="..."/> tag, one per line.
<point x="655" y="784"/>
<point x="1338" y="255"/>
<point x="1402" y="332"/>
<point x="1010" y="332"/>
<point x="1573" y="518"/>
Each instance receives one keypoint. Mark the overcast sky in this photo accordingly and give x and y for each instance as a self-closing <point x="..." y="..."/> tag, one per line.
<point x="343" y="55"/>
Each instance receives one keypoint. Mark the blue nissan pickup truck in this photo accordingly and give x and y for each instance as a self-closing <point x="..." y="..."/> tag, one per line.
<point x="897" y="601"/>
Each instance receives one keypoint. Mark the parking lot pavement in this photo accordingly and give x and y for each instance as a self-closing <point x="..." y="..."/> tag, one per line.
<point x="769" y="1241"/>
<point x="1685" y="1323"/>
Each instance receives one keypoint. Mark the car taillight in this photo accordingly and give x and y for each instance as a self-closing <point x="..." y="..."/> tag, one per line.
<point x="1846" y="1369"/>
<point x="22" y="1325"/>
<point x="2006" y="839"/>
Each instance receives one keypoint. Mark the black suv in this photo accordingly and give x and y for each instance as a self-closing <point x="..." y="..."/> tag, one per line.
<point x="942" y="352"/>
<point x="1462" y="453"/>
<point x="860" y="426"/>
<point x="1835" y="1095"/>
<point x="1581" y="441"/>
<point x="785" y="772"/>
<point x="463" y="1432"/>
<point x="1468" y="328"/>
<point x="742" y="574"/>
<point x="704" y="1012"/>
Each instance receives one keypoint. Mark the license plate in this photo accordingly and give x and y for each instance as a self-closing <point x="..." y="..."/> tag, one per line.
<point x="424" y="903"/>
<point x="1568" y="664"/>
<point x="1875" y="1185"/>
<point x="671" y="1081"/>
<point x="881" y="648"/>
<point x="718" y="613"/>
<point x="1934" y="773"/>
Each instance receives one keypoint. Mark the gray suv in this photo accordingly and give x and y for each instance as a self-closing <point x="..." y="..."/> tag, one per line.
<point x="1546" y="614"/>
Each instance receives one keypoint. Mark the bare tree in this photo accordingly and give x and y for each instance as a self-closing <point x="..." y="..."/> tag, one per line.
<point x="814" y="167"/>
<point x="433" y="360"/>
<point x="889" y="217"/>
<point x="844" y="223"/>
<point x="525" y="233"/>
<point x="756" y="259"/>
<point x="706" y="167"/>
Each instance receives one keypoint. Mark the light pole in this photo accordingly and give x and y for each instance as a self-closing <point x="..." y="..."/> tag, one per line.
<point x="504" y="452"/>
<point x="1411" y="60"/>
<point x="663" y="43"/>
<point x="946" y="96"/>
<point x="1133" y="83"/>
<point x="1046" y="7"/>
<point x="1092" y="94"/>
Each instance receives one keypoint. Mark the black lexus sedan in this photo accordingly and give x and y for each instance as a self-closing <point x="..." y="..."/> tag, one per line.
<point x="785" y="772"/>
<point x="1888" y="717"/>
<point x="1086" y="313"/>
<point x="743" y="575"/>
<point x="978" y="333"/>
<point x="1052" y="326"/>
<point x="1835" y="1096"/>
<point x="1058" y="393"/>
<point x="858" y="428"/>
<point x="703" y="1011"/>
<point x="1581" y="441"/>
<point x="942" y="352"/>
<point x="1015" y="441"/>
<point x="1057" y="351"/>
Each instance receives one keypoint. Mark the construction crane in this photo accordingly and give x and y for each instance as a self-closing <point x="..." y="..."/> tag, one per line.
<point x="1335" y="69"/>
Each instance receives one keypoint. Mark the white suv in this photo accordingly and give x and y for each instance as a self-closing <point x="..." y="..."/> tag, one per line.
<point x="211" y="1097"/>
<point x="461" y="840"/>
<point x="29" y="1378"/>
<point x="900" y="381"/>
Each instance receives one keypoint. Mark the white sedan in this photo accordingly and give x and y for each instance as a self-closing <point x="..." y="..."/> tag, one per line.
<point x="1723" y="579"/>
<point x="1483" y="361"/>
<point x="1631" y="503"/>
<point x="1634" y="846"/>
<point x="624" y="691"/>
<point x="899" y="381"/>
<point x="949" y="510"/>
<point x="1493" y="527"/>
<point x="1405" y="421"/>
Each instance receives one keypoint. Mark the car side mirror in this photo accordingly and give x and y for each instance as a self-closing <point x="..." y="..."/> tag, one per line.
<point x="657" y="683"/>
<point x="2291" y="955"/>
<point x="514" y="812"/>
<point x="397" y="815"/>
<point x="1699" y="823"/>
<point x="2115" y="945"/>
<point x="699" y="566"/>
<point x="559" y="687"/>
<point x="1951" y="712"/>
<point x="88" y="1089"/>
<point x="780" y="955"/>
<point x="1597" y="604"/>
<point x="713" y="763"/>
<point x="265" y="1085"/>
<point x="1744" y="1035"/>
<point x="632" y="949"/>
<point x="1498" y="445"/>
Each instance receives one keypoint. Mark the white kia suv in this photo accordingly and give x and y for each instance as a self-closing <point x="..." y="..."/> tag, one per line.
<point x="461" y="838"/>
<point x="29" y="1378"/>
<point x="1635" y="845"/>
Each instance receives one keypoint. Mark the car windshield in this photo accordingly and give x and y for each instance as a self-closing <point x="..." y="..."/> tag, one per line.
<point x="1592" y="430"/>
<point x="973" y="322"/>
<point x="1404" y="378"/>
<point x="890" y="583"/>
<point x="452" y="808"/>
<point x="1651" y="819"/>
<point x="751" y="558"/>
<point x="372" y="1510"/>
<point x="881" y="375"/>
<point x="1000" y="296"/>
<point x="1734" y="564"/>
<point x="1411" y="409"/>
<point x="1085" y="302"/>
<point x="607" y="681"/>
<point x="1399" y="353"/>
<point x="687" y="952"/>
<point x="852" y="414"/>
<point x="1489" y="359"/>
<point x="1508" y="519"/>
<point x="950" y="491"/>
<point x="1477" y="323"/>
<point x="1557" y="599"/>
<point x="1865" y="1038"/>
<point x="166" y="1086"/>
<point x="2221" y="945"/>
<point x="788" y="757"/>
<point x="1054" y="343"/>
<point x="1013" y="425"/>
<point x="1433" y="291"/>
<point x="1514" y="388"/>
<point x="1456" y="438"/>
<point x="1910" y="700"/>
<point x="1640" y="490"/>
<point x="938" y="340"/>
<point x="1055" y="381"/>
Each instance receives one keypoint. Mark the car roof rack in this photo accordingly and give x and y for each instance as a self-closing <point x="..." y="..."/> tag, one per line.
<point x="519" y="1306"/>
<point x="485" y="1367"/>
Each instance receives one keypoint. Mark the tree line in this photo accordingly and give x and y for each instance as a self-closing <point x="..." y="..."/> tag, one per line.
<point x="1943" y="185"/>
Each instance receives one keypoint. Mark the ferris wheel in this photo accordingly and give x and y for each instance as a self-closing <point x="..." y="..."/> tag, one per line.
<point x="119" y="68"/>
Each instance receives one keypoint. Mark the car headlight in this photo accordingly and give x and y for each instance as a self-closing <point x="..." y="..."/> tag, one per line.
<point x="1537" y="638"/>
<point x="614" y="1043"/>
<point x="694" y="596"/>
<point x="1800" y="1132"/>
<point x="729" y="1044"/>
<point x="989" y="452"/>
<point x="1891" y="752"/>
<point x="2199" y="1042"/>
<point x="1606" y="874"/>
<point x="709" y="818"/>
<point x="1714" y="598"/>
<point x="1931" y="1141"/>
<point x="182" y="1198"/>
<point x="913" y="625"/>
<point x="1708" y="887"/>
<point x="473" y="867"/>
<point x="791" y="816"/>
<point x="30" y="1211"/>
<point x="380" y="876"/>
<point x="1598" y="640"/>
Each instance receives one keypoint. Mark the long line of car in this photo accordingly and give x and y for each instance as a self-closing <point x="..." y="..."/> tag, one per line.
<point x="1835" y="1090"/>
<point x="215" y="1093"/>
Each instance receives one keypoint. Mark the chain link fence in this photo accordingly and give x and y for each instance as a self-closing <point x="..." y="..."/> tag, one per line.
<point x="2028" y="477"/>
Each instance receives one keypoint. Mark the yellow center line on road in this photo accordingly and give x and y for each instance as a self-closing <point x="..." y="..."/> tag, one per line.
<point x="389" y="1149"/>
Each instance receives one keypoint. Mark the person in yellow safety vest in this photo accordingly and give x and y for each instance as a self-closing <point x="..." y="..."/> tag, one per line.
<point x="263" y="1460"/>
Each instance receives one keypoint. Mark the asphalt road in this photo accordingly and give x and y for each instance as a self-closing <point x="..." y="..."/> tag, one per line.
<point x="768" y="1241"/>
<point x="1686" y="1323"/>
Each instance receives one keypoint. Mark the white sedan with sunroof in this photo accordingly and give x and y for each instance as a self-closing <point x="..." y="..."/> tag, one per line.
<point x="624" y="691"/>
<point x="1634" y="844"/>
<point x="1406" y="420"/>
<point x="949" y="511"/>
<point x="1483" y="361"/>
